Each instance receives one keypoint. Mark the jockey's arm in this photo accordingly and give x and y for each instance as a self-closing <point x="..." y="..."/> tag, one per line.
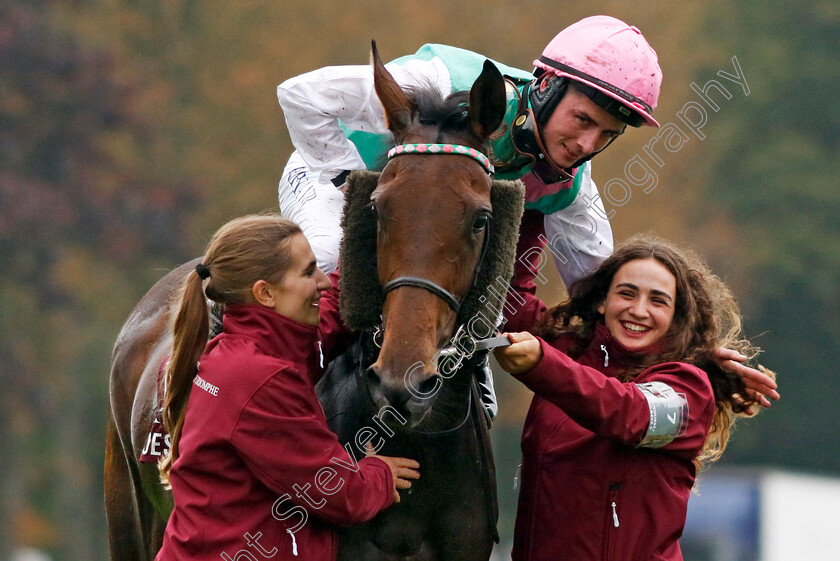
<point x="315" y="102"/>
<point x="579" y="236"/>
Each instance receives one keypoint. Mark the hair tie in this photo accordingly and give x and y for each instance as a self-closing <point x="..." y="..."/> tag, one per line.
<point x="202" y="271"/>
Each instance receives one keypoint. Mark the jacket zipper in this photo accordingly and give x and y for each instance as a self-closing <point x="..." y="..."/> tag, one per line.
<point x="612" y="521"/>
<point x="294" y="542"/>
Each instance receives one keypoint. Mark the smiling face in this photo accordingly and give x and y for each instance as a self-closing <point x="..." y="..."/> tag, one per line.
<point x="639" y="306"/>
<point x="297" y="294"/>
<point x="577" y="128"/>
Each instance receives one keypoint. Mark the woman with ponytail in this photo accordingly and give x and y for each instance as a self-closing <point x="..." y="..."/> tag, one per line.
<point x="629" y="404"/>
<point x="253" y="467"/>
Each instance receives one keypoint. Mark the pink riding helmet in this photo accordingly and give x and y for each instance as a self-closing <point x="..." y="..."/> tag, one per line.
<point x="610" y="56"/>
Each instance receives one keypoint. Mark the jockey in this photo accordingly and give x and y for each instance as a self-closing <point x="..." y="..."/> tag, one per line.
<point x="337" y="124"/>
<point x="592" y="80"/>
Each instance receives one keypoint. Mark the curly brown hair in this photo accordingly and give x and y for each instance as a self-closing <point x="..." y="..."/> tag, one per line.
<point x="706" y="317"/>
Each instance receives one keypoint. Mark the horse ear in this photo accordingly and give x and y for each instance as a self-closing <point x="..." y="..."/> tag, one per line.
<point x="487" y="101"/>
<point x="398" y="108"/>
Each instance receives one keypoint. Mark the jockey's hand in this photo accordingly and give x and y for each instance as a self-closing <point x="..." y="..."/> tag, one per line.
<point x="522" y="355"/>
<point x="402" y="470"/>
<point x="760" y="387"/>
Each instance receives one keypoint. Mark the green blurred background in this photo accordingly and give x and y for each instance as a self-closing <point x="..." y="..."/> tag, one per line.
<point x="131" y="130"/>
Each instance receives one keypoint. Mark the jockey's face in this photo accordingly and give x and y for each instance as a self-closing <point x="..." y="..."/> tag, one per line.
<point x="578" y="128"/>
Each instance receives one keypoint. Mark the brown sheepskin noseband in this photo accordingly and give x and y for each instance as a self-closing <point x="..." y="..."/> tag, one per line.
<point x="361" y="294"/>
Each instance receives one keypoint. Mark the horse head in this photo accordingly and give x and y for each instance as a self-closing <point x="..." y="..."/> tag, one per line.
<point x="432" y="206"/>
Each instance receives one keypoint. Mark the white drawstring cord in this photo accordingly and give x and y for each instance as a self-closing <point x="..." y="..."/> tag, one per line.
<point x="294" y="543"/>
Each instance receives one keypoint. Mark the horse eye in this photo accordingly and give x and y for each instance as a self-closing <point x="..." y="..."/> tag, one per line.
<point x="481" y="222"/>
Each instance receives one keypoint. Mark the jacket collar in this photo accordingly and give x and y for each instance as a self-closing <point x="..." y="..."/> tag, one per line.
<point x="610" y="356"/>
<point x="274" y="334"/>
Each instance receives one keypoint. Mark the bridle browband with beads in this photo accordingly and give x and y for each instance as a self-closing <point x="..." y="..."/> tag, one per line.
<point x="430" y="148"/>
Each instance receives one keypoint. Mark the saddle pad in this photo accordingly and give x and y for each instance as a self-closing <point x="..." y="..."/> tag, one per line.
<point x="157" y="441"/>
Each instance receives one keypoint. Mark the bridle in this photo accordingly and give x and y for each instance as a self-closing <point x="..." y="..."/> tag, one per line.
<point x="435" y="288"/>
<point x="446" y="149"/>
<point x="463" y="345"/>
<point x="420" y="282"/>
<point x="431" y="286"/>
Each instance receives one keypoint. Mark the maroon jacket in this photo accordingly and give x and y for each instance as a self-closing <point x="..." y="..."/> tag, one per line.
<point x="522" y="308"/>
<point x="588" y="493"/>
<point x="259" y="471"/>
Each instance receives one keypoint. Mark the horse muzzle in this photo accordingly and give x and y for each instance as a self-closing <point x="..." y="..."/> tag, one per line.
<point x="411" y="394"/>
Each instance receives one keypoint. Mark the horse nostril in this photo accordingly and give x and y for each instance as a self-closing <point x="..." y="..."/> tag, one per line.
<point x="379" y="389"/>
<point x="428" y="387"/>
<point x="394" y="395"/>
<point x="374" y="382"/>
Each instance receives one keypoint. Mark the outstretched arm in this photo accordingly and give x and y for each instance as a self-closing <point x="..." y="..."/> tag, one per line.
<point x="668" y="406"/>
<point x="283" y="438"/>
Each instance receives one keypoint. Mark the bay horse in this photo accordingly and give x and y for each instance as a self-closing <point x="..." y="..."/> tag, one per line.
<point x="426" y="245"/>
<point x="429" y="218"/>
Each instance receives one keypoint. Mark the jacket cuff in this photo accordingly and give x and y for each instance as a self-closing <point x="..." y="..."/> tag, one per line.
<point x="389" y="478"/>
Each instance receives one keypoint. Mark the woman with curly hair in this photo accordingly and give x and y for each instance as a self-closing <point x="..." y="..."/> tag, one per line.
<point x="628" y="405"/>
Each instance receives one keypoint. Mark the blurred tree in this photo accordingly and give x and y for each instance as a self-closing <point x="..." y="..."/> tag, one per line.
<point x="83" y="216"/>
<point x="775" y="166"/>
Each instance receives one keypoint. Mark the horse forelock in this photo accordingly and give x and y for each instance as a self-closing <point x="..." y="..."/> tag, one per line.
<point x="449" y="115"/>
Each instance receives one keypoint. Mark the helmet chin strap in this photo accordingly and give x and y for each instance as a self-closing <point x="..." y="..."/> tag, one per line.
<point x="593" y="154"/>
<point x="545" y="94"/>
<point x="526" y="138"/>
